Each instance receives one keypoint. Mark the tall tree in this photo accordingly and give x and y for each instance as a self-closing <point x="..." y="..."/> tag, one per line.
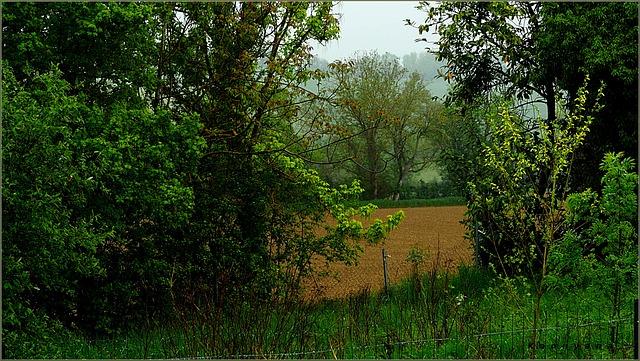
<point x="181" y="125"/>
<point x="241" y="66"/>
<point x="389" y="112"/>
<point x="411" y="130"/>
<point x="600" y="39"/>
<point x="536" y="52"/>
<point x="367" y="95"/>
<point x="427" y="66"/>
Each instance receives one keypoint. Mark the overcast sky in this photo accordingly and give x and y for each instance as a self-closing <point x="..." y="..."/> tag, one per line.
<point x="375" y="25"/>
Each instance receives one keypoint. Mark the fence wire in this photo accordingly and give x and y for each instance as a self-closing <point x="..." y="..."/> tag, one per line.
<point x="435" y="348"/>
<point x="343" y="281"/>
<point x="333" y="351"/>
<point x="574" y="332"/>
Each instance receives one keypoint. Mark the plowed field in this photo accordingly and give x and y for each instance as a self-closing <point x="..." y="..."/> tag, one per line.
<point x="435" y="230"/>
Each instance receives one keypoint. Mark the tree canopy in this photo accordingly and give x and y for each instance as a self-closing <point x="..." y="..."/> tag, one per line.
<point x="152" y="152"/>
<point x="537" y="52"/>
<point x="389" y="117"/>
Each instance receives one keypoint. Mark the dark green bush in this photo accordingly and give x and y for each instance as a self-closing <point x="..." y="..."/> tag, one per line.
<point x="429" y="190"/>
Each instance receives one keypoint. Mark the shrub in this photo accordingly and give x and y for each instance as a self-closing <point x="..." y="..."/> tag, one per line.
<point x="601" y="250"/>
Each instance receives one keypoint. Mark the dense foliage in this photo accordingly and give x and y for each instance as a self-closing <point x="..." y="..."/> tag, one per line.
<point x="151" y="158"/>
<point x="534" y="53"/>
<point x="517" y="163"/>
<point x="89" y="196"/>
<point x="164" y="160"/>
<point x="600" y="251"/>
<point x="521" y="216"/>
<point x="527" y="54"/>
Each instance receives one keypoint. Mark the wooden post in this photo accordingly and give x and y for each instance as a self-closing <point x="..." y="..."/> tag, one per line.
<point x="386" y="276"/>
<point x="477" y="246"/>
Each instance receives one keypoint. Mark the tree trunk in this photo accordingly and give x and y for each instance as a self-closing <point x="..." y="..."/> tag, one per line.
<point x="372" y="163"/>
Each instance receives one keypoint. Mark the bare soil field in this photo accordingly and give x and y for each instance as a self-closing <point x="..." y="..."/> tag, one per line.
<point x="435" y="230"/>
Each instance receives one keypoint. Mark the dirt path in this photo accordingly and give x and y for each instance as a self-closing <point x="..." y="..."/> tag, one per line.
<point x="436" y="230"/>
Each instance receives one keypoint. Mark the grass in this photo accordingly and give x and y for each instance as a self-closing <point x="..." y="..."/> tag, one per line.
<point x="466" y="314"/>
<point x="414" y="203"/>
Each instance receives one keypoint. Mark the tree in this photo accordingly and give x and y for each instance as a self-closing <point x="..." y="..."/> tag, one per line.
<point x="522" y="224"/>
<point x="536" y="52"/>
<point x="599" y="39"/>
<point x="488" y="51"/>
<point x="242" y="67"/>
<point x="390" y="113"/>
<point x="460" y="138"/>
<point x="424" y="63"/>
<point x="411" y="128"/>
<point x="183" y="179"/>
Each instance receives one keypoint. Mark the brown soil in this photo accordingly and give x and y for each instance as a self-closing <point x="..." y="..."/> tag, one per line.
<point x="435" y="230"/>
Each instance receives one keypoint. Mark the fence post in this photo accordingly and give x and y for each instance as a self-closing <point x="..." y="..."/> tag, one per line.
<point x="386" y="277"/>
<point x="635" y="330"/>
<point x="476" y="237"/>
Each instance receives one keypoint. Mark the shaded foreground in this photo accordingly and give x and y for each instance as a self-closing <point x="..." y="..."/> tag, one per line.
<point x="434" y="315"/>
<point x="439" y="307"/>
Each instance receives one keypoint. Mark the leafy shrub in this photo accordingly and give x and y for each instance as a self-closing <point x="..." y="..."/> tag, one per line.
<point x="601" y="250"/>
<point x="90" y="197"/>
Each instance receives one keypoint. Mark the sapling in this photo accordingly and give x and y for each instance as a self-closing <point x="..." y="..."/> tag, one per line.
<point x="601" y="249"/>
<point x="522" y="201"/>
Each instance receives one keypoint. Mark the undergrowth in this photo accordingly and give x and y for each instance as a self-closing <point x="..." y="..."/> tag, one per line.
<point x="463" y="314"/>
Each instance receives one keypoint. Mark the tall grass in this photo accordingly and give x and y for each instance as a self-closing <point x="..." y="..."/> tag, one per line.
<point x="432" y="314"/>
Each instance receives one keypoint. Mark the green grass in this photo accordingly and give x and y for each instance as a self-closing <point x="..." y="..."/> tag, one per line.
<point x="431" y="315"/>
<point x="414" y="203"/>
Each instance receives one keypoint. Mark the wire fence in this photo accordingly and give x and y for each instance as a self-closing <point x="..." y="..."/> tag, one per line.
<point x="461" y="346"/>
<point x="363" y="323"/>
<point x="342" y="281"/>
<point x="569" y="333"/>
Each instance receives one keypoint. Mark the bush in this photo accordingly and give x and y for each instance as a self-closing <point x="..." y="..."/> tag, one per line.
<point x="601" y="249"/>
<point x="430" y="190"/>
<point x="90" y="197"/>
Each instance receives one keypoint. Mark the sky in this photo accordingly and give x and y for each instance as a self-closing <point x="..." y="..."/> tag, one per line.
<point x="375" y="25"/>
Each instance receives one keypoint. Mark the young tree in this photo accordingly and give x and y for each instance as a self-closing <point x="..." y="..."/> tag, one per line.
<point x="600" y="250"/>
<point x="522" y="222"/>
